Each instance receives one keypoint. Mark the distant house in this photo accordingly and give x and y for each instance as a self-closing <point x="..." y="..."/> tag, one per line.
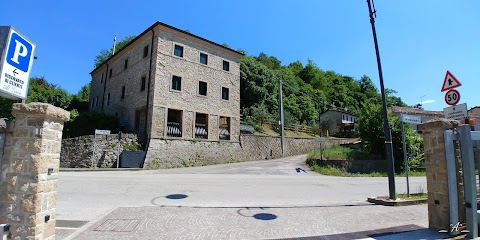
<point x="343" y="120"/>
<point x="475" y="113"/>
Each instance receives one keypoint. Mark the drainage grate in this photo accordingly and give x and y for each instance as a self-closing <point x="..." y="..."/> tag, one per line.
<point x="118" y="225"/>
<point x="70" y="223"/>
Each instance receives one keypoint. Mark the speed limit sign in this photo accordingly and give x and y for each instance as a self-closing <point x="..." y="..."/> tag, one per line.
<point x="452" y="97"/>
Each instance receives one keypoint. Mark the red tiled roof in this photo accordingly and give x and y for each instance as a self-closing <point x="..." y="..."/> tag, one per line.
<point x="416" y="111"/>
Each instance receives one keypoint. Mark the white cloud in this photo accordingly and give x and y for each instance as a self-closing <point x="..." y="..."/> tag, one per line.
<point x="426" y="102"/>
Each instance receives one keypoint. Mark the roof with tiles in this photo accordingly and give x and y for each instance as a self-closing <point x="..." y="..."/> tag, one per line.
<point x="415" y="111"/>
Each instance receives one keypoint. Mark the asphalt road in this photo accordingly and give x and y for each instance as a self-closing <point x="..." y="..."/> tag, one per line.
<point x="88" y="196"/>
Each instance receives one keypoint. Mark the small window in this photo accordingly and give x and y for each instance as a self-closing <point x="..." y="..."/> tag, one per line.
<point x="96" y="102"/>
<point x="225" y="93"/>
<point x="224" y="128"/>
<point x="201" y="125"/>
<point x="108" y="99"/>
<point x="226" y="65"/>
<point x="174" y="123"/>
<point x="202" y="88"/>
<point x="125" y="65"/>
<point x="176" y="83"/>
<point x="93" y="102"/>
<point x="110" y="73"/>
<point x="144" y="79"/>
<point x="203" y="58"/>
<point x="123" y="93"/>
<point x="145" y="51"/>
<point x="101" y="81"/>
<point x="178" y="51"/>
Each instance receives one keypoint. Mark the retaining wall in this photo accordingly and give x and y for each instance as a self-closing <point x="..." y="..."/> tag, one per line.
<point x="170" y="153"/>
<point x="78" y="152"/>
<point x="164" y="153"/>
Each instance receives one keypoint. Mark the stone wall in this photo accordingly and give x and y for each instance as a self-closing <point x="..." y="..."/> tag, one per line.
<point x="166" y="153"/>
<point x="355" y="166"/>
<point x="78" y="152"/>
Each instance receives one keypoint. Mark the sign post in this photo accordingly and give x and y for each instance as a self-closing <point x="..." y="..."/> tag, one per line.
<point x="320" y="140"/>
<point x="413" y="120"/>
<point x="16" y="54"/>
<point x="99" y="132"/>
<point x="118" y="147"/>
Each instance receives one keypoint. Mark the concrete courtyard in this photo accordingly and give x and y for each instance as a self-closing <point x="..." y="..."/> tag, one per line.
<point x="250" y="200"/>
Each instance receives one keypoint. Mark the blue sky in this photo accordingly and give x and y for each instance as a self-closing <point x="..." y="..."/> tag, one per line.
<point x="419" y="40"/>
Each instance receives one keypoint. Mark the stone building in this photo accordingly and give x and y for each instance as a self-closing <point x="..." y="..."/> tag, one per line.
<point x="168" y="83"/>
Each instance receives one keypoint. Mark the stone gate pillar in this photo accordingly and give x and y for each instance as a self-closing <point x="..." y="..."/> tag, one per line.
<point x="30" y="169"/>
<point x="436" y="168"/>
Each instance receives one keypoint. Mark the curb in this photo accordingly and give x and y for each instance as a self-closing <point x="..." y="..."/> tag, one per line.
<point x="99" y="169"/>
<point x="385" y="201"/>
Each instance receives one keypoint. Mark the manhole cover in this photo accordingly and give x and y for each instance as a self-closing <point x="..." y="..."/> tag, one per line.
<point x="118" y="225"/>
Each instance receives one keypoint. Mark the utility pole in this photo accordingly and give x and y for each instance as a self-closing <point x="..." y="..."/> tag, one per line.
<point x="282" y="142"/>
<point x="319" y="118"/>
<point x="386" y="124"/>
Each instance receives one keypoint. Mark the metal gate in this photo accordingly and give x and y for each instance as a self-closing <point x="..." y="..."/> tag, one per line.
<point x="466" y="139"/>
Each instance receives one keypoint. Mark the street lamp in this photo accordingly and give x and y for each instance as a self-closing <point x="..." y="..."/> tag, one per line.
<point x="386" y="124"/>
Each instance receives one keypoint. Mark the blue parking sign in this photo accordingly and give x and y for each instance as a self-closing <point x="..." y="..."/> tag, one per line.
<point x="19" y="52"/>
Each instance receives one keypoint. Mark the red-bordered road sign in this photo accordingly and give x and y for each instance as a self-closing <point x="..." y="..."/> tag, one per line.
<point x="450" y="82"/>
<point x="452" y="97"/>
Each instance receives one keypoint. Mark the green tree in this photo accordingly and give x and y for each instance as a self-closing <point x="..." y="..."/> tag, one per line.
<point x="257" y="84"/>
<point x="261" y="115"/>
<point x="80" y="101"/>
<point x="6" y="108"/>
<point x="86" y="123"/>
<point x="106" y="53"/>
<point x="371" y="132"/>
<point x="39" y="90"/>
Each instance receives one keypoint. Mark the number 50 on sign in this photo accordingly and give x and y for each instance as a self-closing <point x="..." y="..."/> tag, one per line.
<point x="452" y="97"/>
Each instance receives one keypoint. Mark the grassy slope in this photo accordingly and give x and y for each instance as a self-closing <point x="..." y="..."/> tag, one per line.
<point x="268" y="131"/>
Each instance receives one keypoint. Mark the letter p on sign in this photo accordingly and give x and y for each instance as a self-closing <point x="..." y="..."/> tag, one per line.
<point x="19" y="53"/>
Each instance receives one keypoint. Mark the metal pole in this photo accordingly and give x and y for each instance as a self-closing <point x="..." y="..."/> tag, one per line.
<point x="321" y="155"/>
<point x="281" y="118"/>
<point x="94" y="145"/>
<point x="118" y="150"/>
<point x="469" y="180"/>
<point x="405" y="159"/>
<point x="452" y="181"/>
<point x="386" y="124"/>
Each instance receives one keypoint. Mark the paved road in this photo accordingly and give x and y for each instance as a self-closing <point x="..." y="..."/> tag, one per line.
<point x="212" y="201"/>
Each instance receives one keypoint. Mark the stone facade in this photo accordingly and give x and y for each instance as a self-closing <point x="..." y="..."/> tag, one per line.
<point x="136" y="85"/>
<point x="29" y="171"/>
<point x="78" y="152"/>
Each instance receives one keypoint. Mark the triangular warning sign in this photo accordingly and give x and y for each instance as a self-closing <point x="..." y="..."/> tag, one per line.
<point x="450" y="82"/>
